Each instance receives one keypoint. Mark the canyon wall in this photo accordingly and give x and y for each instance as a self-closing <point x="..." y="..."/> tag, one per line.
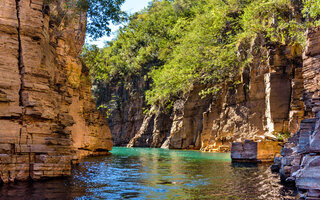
<point x="263" y="101"/>
<point x="126" y="107"/>
<point x="266" y="102"/>
<point x="48" y="119"/>
<point x="300" y="161"/>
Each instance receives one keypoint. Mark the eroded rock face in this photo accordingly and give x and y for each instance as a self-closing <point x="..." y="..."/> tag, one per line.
<point x="300" y="155"/>
<point x="154" y="130"/>
<point x="187" y="122"/>
<point x="47" y="117"/>
<point x="126" y="105"/>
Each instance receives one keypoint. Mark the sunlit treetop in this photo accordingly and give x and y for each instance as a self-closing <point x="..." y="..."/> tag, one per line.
<point x="100" y="13"/>
<point x="183" y="43"/>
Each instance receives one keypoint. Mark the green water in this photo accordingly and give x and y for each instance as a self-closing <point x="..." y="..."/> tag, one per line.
<point x="164" y="153"/>
<point x="138" y="173"/>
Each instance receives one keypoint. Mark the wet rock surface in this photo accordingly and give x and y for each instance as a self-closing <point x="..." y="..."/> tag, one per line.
<point x="47" y="117"/>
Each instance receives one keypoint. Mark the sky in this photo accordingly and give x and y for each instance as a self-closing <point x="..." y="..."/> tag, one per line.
<point x="130" y="6"/>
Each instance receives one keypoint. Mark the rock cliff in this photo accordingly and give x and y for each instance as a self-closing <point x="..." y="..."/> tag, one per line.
<point x="126" y="107"/>
<point x="265" y="99"/>
<point x="300" y="155"/>
<point x="47" y="116"/>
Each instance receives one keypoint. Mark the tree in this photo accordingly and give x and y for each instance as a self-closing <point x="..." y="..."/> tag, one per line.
<point x="100" y="13"/>
<point x="177" y="44"/>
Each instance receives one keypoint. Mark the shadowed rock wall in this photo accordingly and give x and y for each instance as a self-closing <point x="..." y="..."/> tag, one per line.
<point x="47" y="117"/>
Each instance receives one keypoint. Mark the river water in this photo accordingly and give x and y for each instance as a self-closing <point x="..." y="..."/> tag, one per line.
<point x="142" y="173"/>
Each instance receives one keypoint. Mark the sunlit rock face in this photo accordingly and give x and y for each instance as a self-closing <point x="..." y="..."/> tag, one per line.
<point x="300" y="155"/>
<point x="47" y="117"/>
<point x="266" y="100"/>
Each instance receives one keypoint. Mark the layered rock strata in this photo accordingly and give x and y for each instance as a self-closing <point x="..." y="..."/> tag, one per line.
<point x="47" y="117"/>
<point x="300" y="161"/>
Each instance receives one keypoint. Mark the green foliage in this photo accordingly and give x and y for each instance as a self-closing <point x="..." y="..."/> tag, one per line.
<point x="283" y="136"/>
<point x="100" y="14"/>
<point x="95" y="58"/>
<point x="141" y="45"/>
<point x="105" y="109"/>
<point x="177" y="44"/>
<point x="277" y="20"/>
<point x="312" y="10"/>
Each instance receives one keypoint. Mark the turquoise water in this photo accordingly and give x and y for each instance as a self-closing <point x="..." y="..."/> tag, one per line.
<point x="141" y="173"/>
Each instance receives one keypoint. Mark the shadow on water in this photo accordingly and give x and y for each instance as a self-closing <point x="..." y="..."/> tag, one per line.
<point x="244" y="164"/>
<point x="136" y="173"/>
<point x="49" y="189"/>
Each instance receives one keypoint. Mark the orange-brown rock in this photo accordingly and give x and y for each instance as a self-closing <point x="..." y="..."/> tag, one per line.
<point x="47" y="117"/>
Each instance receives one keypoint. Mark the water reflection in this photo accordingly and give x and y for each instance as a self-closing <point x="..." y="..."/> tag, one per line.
<point x="157" y="174"/>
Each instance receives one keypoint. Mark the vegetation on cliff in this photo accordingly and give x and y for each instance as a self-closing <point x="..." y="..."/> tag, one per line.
<point x="100" y="14"/>
<point x="177" y="44"/>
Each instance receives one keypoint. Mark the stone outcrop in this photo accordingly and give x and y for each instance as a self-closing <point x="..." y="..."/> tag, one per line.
<point x="187" y="122"/>
<point x="250" y="151"/>
<point x="181" y="129"/>
<point x="47" y="117"/>
<point x="300" y="155"/>
<point x="264" y="100"/>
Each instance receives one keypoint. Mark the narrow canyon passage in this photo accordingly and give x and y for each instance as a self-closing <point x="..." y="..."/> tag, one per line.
<point x="182" y="83"/>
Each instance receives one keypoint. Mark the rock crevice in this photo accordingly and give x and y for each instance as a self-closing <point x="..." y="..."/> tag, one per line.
<point x="20" y="60"/>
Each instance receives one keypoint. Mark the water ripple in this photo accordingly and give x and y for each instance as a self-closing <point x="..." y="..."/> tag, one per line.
<point x="136" y="173"/>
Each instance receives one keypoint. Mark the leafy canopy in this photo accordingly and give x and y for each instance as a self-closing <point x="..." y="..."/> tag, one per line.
<point x="177" y="44"/>
<point x="100" y="13"/>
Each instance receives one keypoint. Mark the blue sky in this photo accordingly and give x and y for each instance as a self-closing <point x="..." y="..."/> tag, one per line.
<point x="130" y="6"/>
